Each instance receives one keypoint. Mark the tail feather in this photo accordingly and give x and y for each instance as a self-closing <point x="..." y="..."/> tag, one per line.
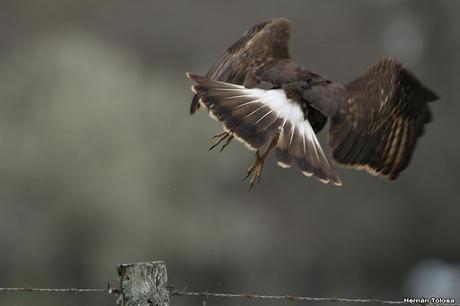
<point x="195" y="105"/>
<point x="257" y="116"/>
<point x="298" y="142"/>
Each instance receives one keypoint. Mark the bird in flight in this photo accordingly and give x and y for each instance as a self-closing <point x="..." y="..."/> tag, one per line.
<point x="267" y="101"/>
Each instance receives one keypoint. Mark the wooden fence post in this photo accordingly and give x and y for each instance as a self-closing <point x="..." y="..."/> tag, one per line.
<point x="143" y="284"/>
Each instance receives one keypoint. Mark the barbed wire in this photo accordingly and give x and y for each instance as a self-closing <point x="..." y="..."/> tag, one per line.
<point x="108" y="290"/>
<point x="247" y="296"/>
<point x="292" y="297"/>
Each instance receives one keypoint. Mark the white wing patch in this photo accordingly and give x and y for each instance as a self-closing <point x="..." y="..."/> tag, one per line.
<point x="284" y="108"/>
<point x="276" y="100"/>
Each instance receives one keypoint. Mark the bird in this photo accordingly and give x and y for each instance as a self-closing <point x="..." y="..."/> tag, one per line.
<point x="267" y="101"/>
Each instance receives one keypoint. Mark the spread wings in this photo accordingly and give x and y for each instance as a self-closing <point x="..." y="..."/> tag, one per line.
<point x="260" y="44"/>
<point x="378" y="125"/>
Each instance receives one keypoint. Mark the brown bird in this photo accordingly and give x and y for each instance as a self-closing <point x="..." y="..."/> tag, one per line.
<point x="263" y="97"/>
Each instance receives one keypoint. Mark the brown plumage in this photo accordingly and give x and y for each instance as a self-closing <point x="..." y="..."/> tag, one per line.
<point x="263" y="97"/>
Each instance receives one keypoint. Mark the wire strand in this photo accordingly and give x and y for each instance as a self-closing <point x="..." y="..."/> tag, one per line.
<point x="291" y="297"/>
<point x="248" y="296"/>
<point x="58" y="290"/>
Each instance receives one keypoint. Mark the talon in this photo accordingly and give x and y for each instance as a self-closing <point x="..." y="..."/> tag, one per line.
<point x="226" y="143"/>
<point x="255" y="170"/>
<point x="252" y="167"/>
<point x="221" y="137"/>
<point x="256" y="177"/>
<point x="248" y="172"/>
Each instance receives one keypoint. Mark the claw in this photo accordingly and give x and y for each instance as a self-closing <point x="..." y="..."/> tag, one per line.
<point x="226" y="143"/>
<point x="255" y="170"/>
<point x="221" y="137"/>
<point x="251" y="168"/>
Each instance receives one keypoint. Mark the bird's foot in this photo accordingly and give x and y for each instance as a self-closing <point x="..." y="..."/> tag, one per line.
<point x="221" y="137"/>
<point x="255" y="171"/>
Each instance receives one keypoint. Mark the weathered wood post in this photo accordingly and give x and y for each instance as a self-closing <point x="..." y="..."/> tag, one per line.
<point x="143" y="284"/>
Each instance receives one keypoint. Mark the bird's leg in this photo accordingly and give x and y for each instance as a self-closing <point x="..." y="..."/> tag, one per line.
<point x="221" y="137"/>
<point x="256" y="169"/>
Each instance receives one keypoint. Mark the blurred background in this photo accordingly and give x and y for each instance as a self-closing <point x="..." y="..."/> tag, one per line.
<point x="101" y="164"/>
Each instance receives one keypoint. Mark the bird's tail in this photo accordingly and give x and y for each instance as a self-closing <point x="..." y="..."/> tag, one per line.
<point x="298" y="143"/>
<point x="256" y="116"/>
<point x="195" y="105"/>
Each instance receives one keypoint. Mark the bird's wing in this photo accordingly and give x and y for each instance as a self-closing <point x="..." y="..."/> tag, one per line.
<point x="260" y="44"/>
<point x="256" y="116"/>
<point x="377" y="126"/>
